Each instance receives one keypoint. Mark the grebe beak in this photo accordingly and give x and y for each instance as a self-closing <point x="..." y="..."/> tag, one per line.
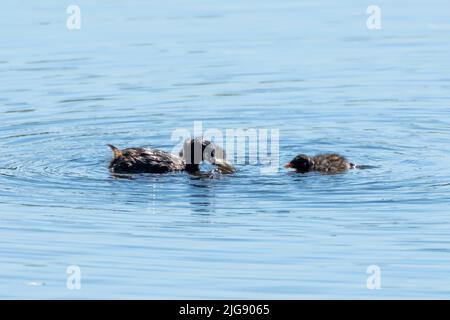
<point x="288" y="165"/>
<point x="224" y="166"/>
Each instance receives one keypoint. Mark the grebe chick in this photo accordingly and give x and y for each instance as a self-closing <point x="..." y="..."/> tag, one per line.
<point x="324" y="163"/>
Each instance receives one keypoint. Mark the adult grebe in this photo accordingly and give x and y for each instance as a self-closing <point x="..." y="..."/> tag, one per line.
<point x="147" y="160"/>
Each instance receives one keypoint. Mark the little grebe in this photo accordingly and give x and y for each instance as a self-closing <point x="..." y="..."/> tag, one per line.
<point x="324" y="163"/>
<point x="146" y="160"/>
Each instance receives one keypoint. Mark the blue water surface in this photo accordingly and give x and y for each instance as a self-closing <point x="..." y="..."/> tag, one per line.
<point x="137" y="70"/>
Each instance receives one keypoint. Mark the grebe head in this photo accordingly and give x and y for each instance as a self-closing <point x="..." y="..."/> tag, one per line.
<point x="197" y="150"/>
<point x="301" y="163"/>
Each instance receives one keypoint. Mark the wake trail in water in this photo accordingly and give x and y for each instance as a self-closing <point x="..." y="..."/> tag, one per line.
<point x="363" y="166"/>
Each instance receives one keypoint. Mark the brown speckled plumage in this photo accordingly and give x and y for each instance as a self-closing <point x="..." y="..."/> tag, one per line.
<point x="143" y="160"/>
<point x="330" y="163"/>
<point x="146" y="160"/>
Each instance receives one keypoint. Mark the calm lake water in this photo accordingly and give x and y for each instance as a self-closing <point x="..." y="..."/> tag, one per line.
<point x="138" y="70"/>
